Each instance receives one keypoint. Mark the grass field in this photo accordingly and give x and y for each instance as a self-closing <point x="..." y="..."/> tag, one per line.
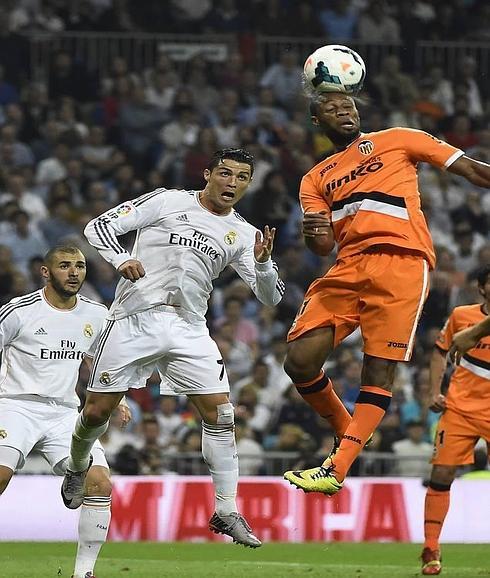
<point x="182" y="560"/>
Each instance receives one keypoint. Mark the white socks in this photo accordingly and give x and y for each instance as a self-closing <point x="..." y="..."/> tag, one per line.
<point x="219" y="452"/>
<point x="93" y="526"/>
<point x="82" y="440"/>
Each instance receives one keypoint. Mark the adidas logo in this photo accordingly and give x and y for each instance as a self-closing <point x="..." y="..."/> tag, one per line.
<point x="40" y="331"/>
<point x="184" y="218"/>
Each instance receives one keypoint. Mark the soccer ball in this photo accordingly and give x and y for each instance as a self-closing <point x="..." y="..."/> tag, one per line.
<point x="334" y="68"/>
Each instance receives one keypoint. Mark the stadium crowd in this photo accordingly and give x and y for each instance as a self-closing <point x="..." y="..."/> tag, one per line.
<point x="79" y="142"/>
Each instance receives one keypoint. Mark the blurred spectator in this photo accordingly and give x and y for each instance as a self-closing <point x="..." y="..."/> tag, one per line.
<point x="348" y="383"/>
<point x="115" y="438"/>
<point x="140" y="123"/>
<point x="150" y="450"/>
<point x="67" y="78"/>
<point x="375" y="22"/>
<point x="169" y="420"/>
<point x="27" y="201"/>
<point x="417" y="409"/>
<point x="177" y="137"/>
<point x="303" y="21"/>
<point x="472" y="212"/>
<point x="413" y="452"/>
<point x="20" y="154"/>
<point x="395" y="89"/>
<point x="339" y="21"/>
<point x="244" y="330"/>
<point x="249" y="408"/>
<point x="285" y="78"/>
<point x="250" y="453"/>
<point x="197" y="157"/>
<point x="53" y="168"/>
<point x="466" y="75"/>
<point x="468" y="242"/>
<point x="24" y="240"/>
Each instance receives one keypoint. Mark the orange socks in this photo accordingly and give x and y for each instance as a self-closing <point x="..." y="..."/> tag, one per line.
<point x="320" y="394"/>
<point x="371" y="405"/>
<point x="436" y="508"/>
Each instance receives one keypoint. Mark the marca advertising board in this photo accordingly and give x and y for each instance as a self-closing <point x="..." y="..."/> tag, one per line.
<point x="173" y="508"/>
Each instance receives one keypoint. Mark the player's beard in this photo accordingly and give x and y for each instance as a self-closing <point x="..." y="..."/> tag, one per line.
<point x="63" y="289"/>
<point x="341" y="140"/>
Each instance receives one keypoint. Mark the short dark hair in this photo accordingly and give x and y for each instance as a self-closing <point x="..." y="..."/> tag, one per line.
<point x="239" y="155"/>
<point x="482" y="275"/>
<point x="70" y="249"/>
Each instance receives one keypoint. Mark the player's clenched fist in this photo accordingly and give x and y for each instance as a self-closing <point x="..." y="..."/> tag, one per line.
<point x="316" y="224"/>
<point x="132" y="269"/>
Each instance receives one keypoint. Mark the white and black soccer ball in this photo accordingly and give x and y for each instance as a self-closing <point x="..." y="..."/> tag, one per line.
<point x="334" y="68"/>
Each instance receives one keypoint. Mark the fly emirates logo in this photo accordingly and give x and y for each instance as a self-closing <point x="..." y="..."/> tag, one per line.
<point x="372" y="165"/>
<point x="66" y="351"/>
<point x="197" y="241"/>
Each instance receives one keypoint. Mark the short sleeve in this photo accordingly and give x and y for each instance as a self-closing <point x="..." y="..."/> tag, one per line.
<point x="422" y="146"/>
<point x="445" y="337"/>
<point x="310" y="196"/>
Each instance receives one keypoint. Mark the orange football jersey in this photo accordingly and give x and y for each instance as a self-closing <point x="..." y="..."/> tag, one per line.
<point x="469" y="387"/>
<point x="370" y="190"/>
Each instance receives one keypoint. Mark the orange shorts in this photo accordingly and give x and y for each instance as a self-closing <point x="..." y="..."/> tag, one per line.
<point x="380" y="291"/>
<point x="456" y="437"/>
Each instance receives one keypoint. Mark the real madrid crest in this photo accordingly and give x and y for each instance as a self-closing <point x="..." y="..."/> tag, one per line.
<point x="366" y="147"/>
<point x="88" y="330"/>
<point x="3" y="434"/>
<point x="230" y="237"/>
<point x="105" y="378"/>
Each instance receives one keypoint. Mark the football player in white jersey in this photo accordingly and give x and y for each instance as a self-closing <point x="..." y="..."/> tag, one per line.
<point x="184" y="240"/>
<point x="44" y="337"/>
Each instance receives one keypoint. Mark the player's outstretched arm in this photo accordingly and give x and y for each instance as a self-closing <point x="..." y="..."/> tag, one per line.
<point x="477" y="172"/>
<point x="318" y="233"/>
<point x="466" y="339"/>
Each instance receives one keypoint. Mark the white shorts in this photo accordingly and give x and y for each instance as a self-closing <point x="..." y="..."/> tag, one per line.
<point x="130" y="349"/>
<point x="26" y="424"/>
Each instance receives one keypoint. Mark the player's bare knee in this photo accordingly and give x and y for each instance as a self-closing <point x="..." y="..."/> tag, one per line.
<point x="442" y="477"/>
<point x="299" y="369"/>
<point x="97" y="411"/>
<point x="378" y="372"/>
<point x="306" y="357"/>
<point x="98" y="482"/>
<point x="223" y="415"/>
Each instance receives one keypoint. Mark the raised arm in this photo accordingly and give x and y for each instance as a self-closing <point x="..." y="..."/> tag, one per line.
<point x="466" y="339"/>
<point x="259" y="271"/>
<point x="477" y="172"/>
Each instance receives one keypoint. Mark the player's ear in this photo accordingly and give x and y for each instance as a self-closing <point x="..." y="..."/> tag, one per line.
<point x="207" y="174"/>
<point x="44" y="272"/>
<point x="314" y="120"/>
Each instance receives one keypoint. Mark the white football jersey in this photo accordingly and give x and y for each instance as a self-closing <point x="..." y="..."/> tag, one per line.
<point x="43" y="347"/>
<point x="182" y="247"/>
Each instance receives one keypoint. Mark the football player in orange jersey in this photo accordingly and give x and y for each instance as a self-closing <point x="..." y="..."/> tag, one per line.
<point x="465" y="418"/>
<point x="365" y="199"/>
<point x="466" y="339"/>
